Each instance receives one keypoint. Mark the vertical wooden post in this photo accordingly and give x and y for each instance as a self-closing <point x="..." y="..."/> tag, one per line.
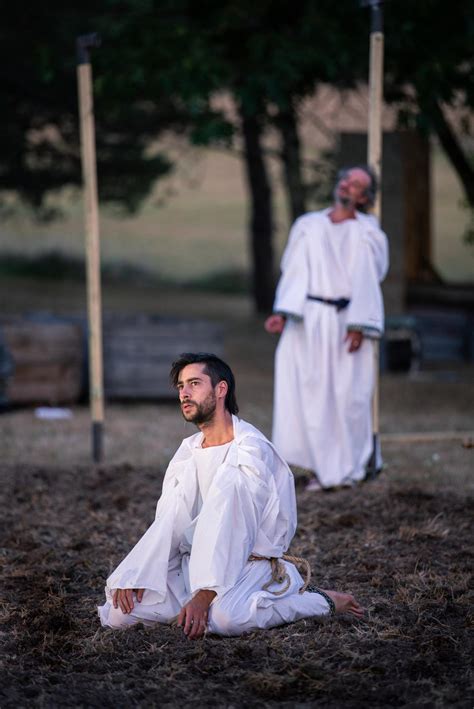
<point x="374" y="143"/>
<point x="94" y="308"/>
<point x="374" y="159"/>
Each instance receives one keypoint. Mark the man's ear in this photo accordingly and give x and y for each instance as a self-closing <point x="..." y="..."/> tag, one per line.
<point x="222" y="389"/>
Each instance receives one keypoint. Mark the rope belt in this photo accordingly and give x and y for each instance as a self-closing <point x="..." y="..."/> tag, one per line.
<point x="279" y="573"/>
<point x="339" y="303"/>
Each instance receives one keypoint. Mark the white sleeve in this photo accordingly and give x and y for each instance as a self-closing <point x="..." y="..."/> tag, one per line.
<point x="365" y="311"/>
<point x="227" y="528"/>
<point x="293" y="285"/>
<point x="146" y="565"/>
<point x="378" y="242"/>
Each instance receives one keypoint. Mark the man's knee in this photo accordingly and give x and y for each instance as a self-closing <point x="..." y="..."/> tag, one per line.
<point x="221" y="621"/>
<point x="148" y="615"/>
<point x="114" y="618"/>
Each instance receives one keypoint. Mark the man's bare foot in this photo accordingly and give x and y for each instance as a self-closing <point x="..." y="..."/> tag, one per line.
<point x="345" y="603"/>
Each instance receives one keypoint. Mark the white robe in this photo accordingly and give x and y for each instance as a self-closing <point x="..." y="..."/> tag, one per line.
<point x="322" y="411"/>
<point x="203" y="541"/>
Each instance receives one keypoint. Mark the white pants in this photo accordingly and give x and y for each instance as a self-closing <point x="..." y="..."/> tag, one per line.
<point x="243" y="608"/>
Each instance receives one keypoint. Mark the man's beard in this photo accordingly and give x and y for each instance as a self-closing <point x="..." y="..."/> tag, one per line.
<point x="344" y="200"/>
<point x="201" y="413"/>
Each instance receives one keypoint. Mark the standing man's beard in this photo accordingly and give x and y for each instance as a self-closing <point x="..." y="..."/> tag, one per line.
<point x="200" y="413"/>
<point x="344" y="200"/>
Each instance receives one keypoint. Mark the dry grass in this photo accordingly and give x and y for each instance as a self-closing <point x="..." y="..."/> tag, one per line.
<point x="66" y="528"/>
<point x="402" y="544"/>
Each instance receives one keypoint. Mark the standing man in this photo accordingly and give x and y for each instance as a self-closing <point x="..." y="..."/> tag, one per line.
<point x="212" y="559"/>
<point x="329" y="307"/>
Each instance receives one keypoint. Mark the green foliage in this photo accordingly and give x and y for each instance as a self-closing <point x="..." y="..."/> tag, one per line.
<point x="52" y="265"/>
<point x="229" y="281"/>
<point x="162" y="61"/>
<point x="57" y="266"/>
<point x="429" y="46"/>
<point x="39" y="142"/>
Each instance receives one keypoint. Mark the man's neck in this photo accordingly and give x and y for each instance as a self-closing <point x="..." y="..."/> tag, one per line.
<point x="218" y="431"/>
<point x="339" y="213"/>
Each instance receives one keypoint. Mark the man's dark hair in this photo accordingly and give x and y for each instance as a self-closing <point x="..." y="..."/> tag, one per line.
<point x="370" y="191"/>
<point x="215" y="368"/>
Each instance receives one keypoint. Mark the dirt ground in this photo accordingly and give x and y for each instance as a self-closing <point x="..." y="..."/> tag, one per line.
<point x="401" y="544"/>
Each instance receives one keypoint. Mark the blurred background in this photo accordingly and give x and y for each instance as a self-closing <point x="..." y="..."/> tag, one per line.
<point x="217" y="124"/>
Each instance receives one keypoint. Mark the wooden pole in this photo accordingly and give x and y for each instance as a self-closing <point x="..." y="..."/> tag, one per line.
<point x="374" y="143"/>
<point x="466" y="438"/>
<point x="91" y="210"/>
<point x="374" y="159"/>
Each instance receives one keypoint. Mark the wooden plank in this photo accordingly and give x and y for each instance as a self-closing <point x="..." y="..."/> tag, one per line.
<point x="47" y="360"/>
<point x="138" y="353"/>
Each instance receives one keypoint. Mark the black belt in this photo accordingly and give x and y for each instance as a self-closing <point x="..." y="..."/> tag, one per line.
<point x="339" y="303"/>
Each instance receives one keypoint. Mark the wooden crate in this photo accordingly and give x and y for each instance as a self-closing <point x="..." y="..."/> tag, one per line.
<point x="48" y="361"/>
<point x="138" y="353"/>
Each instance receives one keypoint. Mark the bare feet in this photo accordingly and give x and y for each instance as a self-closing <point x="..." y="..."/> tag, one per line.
<point x="313" y="486"/>
<point x="346" y="603"/>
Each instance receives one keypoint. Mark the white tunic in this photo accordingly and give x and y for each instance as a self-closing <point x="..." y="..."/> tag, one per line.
<point x="207" y="461"/>
<point x="217" y="508"/>
<point x="322" y="412"/>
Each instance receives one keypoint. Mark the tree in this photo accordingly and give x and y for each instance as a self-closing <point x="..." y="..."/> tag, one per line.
<point x="163" y="61"/>
<point x="39" y="141"/>
<point x="160" y="65"/>
<point x="430" y="71"/>
<point x="269" y="56"/>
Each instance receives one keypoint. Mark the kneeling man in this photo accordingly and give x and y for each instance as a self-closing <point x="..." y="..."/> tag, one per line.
<point x="213" y="557"/>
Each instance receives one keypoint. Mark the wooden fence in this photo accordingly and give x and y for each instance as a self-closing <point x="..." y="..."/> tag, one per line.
<point x="45" y="360"/>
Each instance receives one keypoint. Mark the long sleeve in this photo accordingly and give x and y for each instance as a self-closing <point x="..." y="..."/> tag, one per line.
<point x="293" y="285"/>
<point x="227" y="528"/>
<point x="365" y="311"/>
<point x="146" y="565"/>
<point x="378" y="243"/>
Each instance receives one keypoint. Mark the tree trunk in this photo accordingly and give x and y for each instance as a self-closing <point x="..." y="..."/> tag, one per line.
<point x="452" y="148"/>
<point x="261" y="220"/>
<point x="290" y="153"/>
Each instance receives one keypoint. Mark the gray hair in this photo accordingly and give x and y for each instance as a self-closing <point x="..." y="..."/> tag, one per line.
<point x="370" y="191"/>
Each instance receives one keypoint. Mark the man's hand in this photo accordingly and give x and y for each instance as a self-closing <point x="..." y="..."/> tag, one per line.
<point x="354" y="337"/>
<point x="123" y="598"/>
<point x="274" y="324"/>
<point x="193" y="616"/>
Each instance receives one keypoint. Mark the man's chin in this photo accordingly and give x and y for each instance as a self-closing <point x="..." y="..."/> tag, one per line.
<point x="194" y="417"/>
<point x="345" y="202"/>
<point x="198" y="418"/>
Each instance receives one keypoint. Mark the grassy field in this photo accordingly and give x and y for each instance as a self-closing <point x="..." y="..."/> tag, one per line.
<point x="401" y="544"/>
<point x="401" y="547"/>
<point x="196" y="224"/>
<point x="198" y="228"/>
